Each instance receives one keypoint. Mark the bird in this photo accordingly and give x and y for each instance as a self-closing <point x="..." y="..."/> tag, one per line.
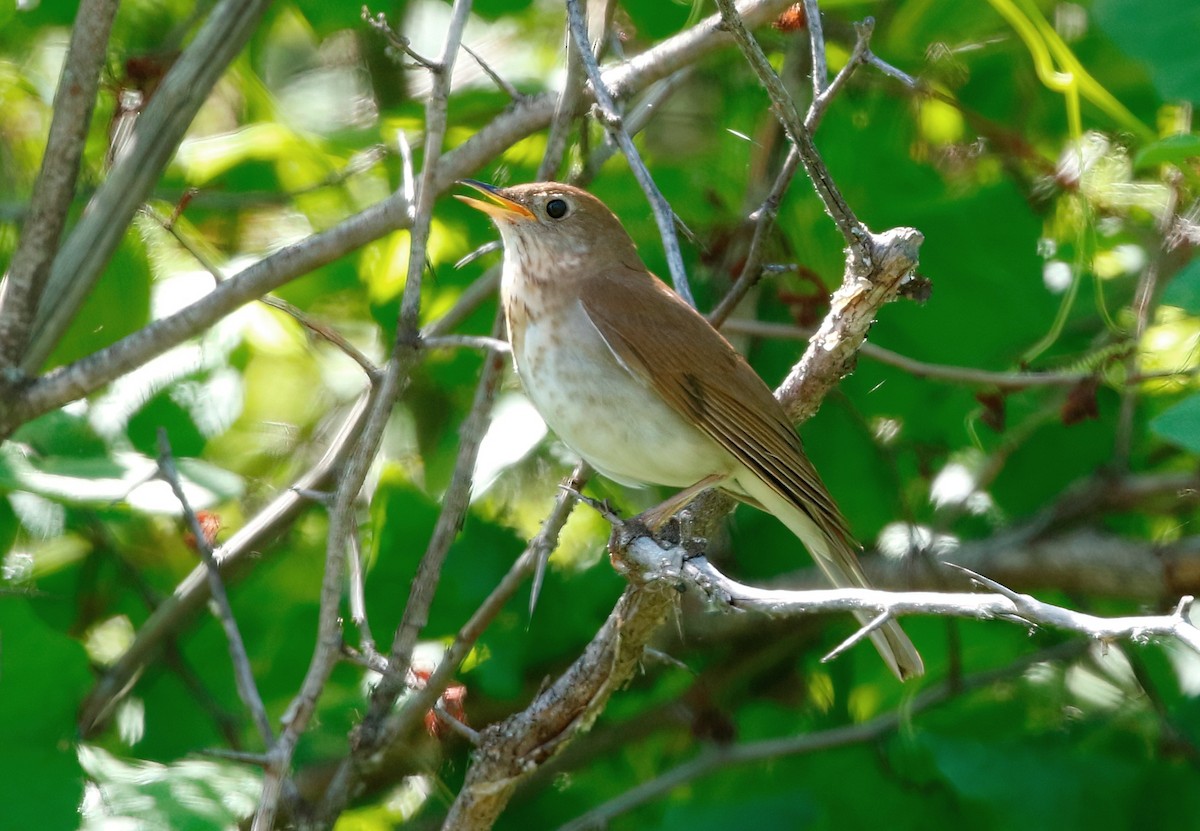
<point x="639" y="384"/>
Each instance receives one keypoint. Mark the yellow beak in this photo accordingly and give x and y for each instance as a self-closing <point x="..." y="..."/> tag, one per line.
<point x="500" y="206"/>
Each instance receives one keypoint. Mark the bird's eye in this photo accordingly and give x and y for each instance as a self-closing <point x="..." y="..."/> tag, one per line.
<point x="556" y="208"/>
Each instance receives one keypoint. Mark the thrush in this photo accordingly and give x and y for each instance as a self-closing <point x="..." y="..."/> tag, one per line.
<point x="640" y="385"/>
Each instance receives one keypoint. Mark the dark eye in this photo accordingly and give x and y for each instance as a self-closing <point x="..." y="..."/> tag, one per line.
<point x="556" y="208"/>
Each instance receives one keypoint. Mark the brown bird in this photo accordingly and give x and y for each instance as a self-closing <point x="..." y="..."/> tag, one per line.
<point x="640" y="385"/>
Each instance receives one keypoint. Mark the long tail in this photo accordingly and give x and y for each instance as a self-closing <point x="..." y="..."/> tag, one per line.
<point x="837" y="558"/>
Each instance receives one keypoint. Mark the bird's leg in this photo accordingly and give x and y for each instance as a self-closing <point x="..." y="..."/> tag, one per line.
<point x="656" y="517"/>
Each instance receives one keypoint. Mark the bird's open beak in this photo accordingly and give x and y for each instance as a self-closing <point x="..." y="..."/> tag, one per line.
<point x="500" y="207"/>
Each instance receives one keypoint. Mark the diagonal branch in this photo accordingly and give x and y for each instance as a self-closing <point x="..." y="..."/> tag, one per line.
<point x="156" y="137"/>
<point x="525" y="117"/>
<point x="74" y="101"/>
<point x="606" y="105"/>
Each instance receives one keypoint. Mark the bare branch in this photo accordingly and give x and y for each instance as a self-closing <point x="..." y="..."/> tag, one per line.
<point x="664" y="216"/>
<point x="821" y="102"/>
<point x="564" y="112"/>
<point x="816" y="39"/>
<point x="764" y="221"/>
<point x="243" y="675"/>
<point x="853" y="307"/>
<point x="404" y="357"/>
<point x="936" y="372"/>
<point x="1003" y="605"/>
<point x="490" y="344"/>
<point x="317" y="328"/>
<point x="74" y="100"/>
<point x="855" y="233"/>
<point x="76" y="380"/>
<point x="67" y="383"/>
<point x="156" y="136"/>
<point x="191" y="594"/>
<point x="395" y="40"/>
<point x="720" y="757"/>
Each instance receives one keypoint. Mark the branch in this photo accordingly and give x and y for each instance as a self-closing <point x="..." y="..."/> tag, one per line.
<point x="371" y="735"/>
<point x="664" y="216"/>
<point x="720" y="757"/>
<point x="1004" y="604"/>
<point x="156" y="136"/>
<point x="855" y="233"/>
<point x="193" y="592"/>
<point x="361" y="763"/>
<point x="510" y="750"/>
<point x="832" y="349"/>
<point x="74" y="101"/>
<point x="243" y="675"/>
<point x="405" y="353"/>
<point x="68" y="383"/>
<point x="940" y="372"/>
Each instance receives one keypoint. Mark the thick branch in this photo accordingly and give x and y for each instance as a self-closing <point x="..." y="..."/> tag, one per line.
<point x="1002" y="604"/>
<point x="513" y="748"/>
<point x="155" y="139"/>
<point x="76" y="380"/>
<point x="74" y="100"/>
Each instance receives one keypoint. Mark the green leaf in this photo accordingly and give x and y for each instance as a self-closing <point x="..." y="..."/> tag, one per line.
<point x="1184" y="289"/>
<point x="1026" y="785"/>
<point x="1163" y="36"/>
<point x="104" y="479"/>
<point x="1180" y="424"/>
<point x="43" y="674"/>
<point x="192" y="794"/>
<point x="1176" y="150"/>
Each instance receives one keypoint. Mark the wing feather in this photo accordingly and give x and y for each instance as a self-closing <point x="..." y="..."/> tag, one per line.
<point x="726" y="400"/>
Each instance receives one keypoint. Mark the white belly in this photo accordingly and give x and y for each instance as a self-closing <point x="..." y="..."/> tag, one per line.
<point x="609" y="417"/>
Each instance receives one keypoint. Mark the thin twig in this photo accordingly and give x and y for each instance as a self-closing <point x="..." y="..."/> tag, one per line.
<point x="721" y="757"/>
<point x="456" y="725"/>
<point x="504" y="86"/>
<point x="397" y="41"/>
<point x="892" y="72"/>
<point x="489" y="344"/>
<point x="159" y="128"/>
<point x="358" y="602"/>
<point x="635" y="121"/>
<point x="190" y="595"/>
<point x="820" y="103"/>
<point x="543" y="544"/>
<point x="611" y="118"/>
<point x="945" y="372"/>
<point x="404" y="356"/>
<point x="321" y="330"/>
<point x="564" y="113"/>
<point x="764" y="221"/>
<point x="74" y="101"/>
<point x="855" y="233"/>
<point x="816" y="39"/>
<point x="243" y="674"/>
<point x="1143" y="307"/>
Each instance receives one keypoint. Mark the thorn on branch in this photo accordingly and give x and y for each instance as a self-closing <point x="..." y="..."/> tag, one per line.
<point x="863" y="632"/>
<point x="600" y="506"/>
<point x="505" y="87"/>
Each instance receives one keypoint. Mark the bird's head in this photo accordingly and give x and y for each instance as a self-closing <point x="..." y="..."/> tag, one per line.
<point x="550" y="224"/>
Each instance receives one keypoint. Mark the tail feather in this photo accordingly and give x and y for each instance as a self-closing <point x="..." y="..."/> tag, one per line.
<point x="837" y="559"/>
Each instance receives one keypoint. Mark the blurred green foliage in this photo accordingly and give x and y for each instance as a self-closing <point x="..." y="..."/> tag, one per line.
<point x="1036" y="231"/>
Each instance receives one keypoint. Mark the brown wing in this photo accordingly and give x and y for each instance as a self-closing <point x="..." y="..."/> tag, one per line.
<point x="701" y="375"/>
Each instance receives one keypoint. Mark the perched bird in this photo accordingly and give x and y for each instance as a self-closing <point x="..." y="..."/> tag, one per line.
<point x="640" y="385"/>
